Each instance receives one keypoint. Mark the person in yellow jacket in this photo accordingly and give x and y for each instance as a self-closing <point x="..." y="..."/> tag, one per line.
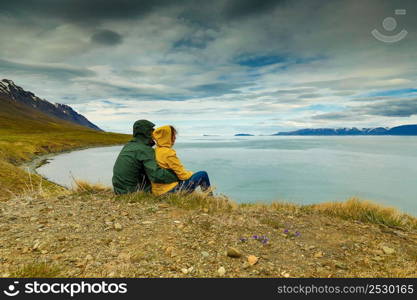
<point x="166" y="157"/>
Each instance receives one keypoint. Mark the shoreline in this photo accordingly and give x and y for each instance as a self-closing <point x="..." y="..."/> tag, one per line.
<point x="37" y="161"/>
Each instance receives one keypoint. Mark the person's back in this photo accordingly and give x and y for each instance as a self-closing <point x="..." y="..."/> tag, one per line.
<point x="135" y="166"/>
<point x="166" y="158"/>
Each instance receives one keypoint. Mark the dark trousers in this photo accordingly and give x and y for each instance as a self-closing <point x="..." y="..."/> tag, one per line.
<point x="198" y="179"/>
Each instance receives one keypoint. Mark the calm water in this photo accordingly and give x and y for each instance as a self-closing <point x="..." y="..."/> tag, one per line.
<point x="296" y="169"/>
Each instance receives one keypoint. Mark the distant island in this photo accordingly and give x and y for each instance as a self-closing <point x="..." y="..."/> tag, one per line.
<point x="243" y="134"/>
<point x="399" y="130"/>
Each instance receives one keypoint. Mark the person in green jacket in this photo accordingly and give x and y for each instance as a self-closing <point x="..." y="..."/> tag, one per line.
<point x="136" y="167"/>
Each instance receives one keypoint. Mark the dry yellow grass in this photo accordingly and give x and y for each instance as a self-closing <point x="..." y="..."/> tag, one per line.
<point x="37" y="270"/>
<point x="84" y="187"/>
<point x="351" y="209"/>
<point x="367" y="211"/>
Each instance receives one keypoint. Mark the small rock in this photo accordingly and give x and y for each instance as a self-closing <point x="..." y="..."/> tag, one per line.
<point x="36" y="245"/>
<point x="88" y="257"/>
<point x="221" y="271"/>
<point x="146" y="222"/>
<point x="205" y="254"/>
<point x="400" y="233"/>
<point x="118" y="226"/>
<point x="341" y="266"/>
<point x="252" y="260"/>
<point x="388" y="250"/>
<point x="285" y="274"/>
<point x="318" y="254"/>
<point x="170" y="251"/>
<point x="233" y="252"/>
<point x="184" y="270"/>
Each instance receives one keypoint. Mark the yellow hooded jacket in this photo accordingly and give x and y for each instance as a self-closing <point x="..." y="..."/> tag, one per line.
<point x="166" y="157"/>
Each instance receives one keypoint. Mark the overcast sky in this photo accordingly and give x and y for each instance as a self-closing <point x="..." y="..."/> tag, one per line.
<point x="216" y="67"/>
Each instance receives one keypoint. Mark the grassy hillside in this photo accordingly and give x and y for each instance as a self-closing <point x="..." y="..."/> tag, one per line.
<point x="25" y="133"/>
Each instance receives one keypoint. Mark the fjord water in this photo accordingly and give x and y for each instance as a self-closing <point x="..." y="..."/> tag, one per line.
<point x="302" y="170"/>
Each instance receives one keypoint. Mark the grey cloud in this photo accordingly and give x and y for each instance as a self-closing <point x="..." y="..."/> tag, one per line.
<point x="127" y="92"/>
<point x="84" y="11"/>
<point x="114" y="104"/>
<point x="294" y="91"/>
<point x="99" y="10"/>
<point x="217" y="89"/>
<point x="107" y="38"/>
<point x="309" y="96"/>
<point x="51" y="71"/>
<point x="393" y="108"/>
<point x="244" y="8"/>
<point x="344" y="93"/>
<point x="338" y="116"/>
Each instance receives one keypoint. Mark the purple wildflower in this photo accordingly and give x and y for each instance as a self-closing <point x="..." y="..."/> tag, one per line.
<point x="243" y="240"/>
<point x="286" y="231"/>
<point x="255" y="237"/>
<point x="297" y="234"/>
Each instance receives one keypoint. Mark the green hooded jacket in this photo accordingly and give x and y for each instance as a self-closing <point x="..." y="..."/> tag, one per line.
<point x="136" y="167"/>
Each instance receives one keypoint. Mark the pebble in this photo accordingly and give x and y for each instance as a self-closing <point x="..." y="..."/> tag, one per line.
<point x="252" y="260"/>
<point x="318" y="254"/>
<point x="233" y="252"/>
<point x="117" y="226"/>
<point x="221" y="271"/>
<point x="285" y="274"/>
<point x="388" y="250"/>
<point x="341" y="266"/>
<point x="205" y="254"/>
<point x="88" y="257"/>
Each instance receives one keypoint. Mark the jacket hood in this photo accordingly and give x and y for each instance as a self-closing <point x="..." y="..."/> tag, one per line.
<point x="163" y="136"/>
<point x="143" y="129"/>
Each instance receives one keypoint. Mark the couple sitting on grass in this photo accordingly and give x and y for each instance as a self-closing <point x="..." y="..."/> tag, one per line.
<point x="140" y="167"/>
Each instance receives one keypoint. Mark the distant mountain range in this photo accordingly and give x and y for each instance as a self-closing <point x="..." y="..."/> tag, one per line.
<point x="399" y="130"/>
<point x="11" y="92"/>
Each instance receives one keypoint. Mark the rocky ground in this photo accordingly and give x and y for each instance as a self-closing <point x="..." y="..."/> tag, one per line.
<point x="97" y="235"/>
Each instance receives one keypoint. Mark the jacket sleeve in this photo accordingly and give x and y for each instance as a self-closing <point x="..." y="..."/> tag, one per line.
<point x="175" y="164"/>
<point x="154" y="172"/>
